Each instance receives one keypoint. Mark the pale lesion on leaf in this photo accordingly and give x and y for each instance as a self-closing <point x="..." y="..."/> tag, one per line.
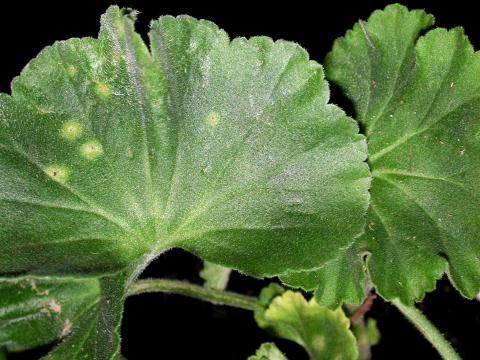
<point x="58" y="173"/>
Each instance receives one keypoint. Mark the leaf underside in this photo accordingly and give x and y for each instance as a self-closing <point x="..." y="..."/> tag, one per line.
<point x="418" y="99"/>
<point x="112" y="152"/>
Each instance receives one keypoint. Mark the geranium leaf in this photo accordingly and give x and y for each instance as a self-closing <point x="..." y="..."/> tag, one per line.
<point x="35" y="311"/>
<point x="111" y="153"/>
<point x="324" y="333"/>
<point x="224" y="148"/>
<point x="418" y="99"/>
<point x="268" y="351"/>
<point x="96" y="335"/>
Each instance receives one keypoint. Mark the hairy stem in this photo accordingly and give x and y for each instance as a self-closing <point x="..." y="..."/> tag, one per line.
<point x="428" y="330"/>
<point x="218" y="297"/>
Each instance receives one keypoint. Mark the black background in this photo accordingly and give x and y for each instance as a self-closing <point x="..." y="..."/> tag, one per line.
<point x="158" y="326"/>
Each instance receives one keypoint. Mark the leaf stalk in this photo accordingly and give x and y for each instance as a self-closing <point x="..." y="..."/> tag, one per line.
<point x="217" y="297"/>
<point x="431" y="333"/>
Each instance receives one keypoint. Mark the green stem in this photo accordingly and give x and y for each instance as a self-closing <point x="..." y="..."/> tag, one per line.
<point x="214" y="296"/>
<point x="428" y="330"/>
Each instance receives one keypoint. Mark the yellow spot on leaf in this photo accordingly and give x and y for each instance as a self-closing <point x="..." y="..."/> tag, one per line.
<point x="91" y="149"/>
<point x="71" y="130"/>
<point x="102" y="89"/>
<point x="71" y="70"/>
<point x="212" y="119"/>
<point x="58" y="173"/>
<point x="319" y="342"/>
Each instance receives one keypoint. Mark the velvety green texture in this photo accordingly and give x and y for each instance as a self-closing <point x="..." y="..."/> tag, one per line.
<point x="112" y="152"/>
<point x="38" y="310"/>
<point x="96" y="335"/>
<point x="225" y="148"/>
<point x="417" y="98"/>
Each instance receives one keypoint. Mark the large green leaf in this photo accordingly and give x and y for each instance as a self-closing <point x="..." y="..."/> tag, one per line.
<point x="111" y="153"/>
<point x="418" y="99"/>
<point x="324" y="333"/>
<point x="225" y="148"/>
<point x="38" y="310"/>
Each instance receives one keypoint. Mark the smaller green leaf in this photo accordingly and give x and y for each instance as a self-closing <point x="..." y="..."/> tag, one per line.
<point x="215" y="276"/>
<point x="416" y="94"/>
<point x="3" y="354"/>
<point x="323" y="333"/>
<point x="38" y="310"/>
<point x="268" y="351"/>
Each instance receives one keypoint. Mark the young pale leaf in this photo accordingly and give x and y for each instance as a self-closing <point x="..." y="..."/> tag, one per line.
<point x="323" y="333"/>
<point x="215" y="276"/>
<point x="36" y="311"/>
<point x="418" y="99"/>
<point x="268" y="351"/>
<point x="228" y="149"/>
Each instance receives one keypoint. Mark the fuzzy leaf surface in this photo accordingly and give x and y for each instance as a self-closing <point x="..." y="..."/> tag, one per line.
<point x="418" y="99"/>
<point x="229" y="149"/>
<point x="36" y="311"/>
<point x="112" y="151"/>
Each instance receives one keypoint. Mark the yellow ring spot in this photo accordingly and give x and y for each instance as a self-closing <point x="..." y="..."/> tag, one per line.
<point x="102" y="89"/>
<point x="91" y="149"/>
<point x="58" y="173"/>
<point x="212" y="119"/>
<point x="71" y="130"/>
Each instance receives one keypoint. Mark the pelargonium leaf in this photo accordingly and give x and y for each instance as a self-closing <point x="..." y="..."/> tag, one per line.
<point x="227" y="149"/>
<point x="112" y="152"/>
<point x="418" y="99"/>
<point x="36" y="311"/>
<point x="268" y="351"/>
<point x="96" y="334"/>
<point x="324" y="333"/>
